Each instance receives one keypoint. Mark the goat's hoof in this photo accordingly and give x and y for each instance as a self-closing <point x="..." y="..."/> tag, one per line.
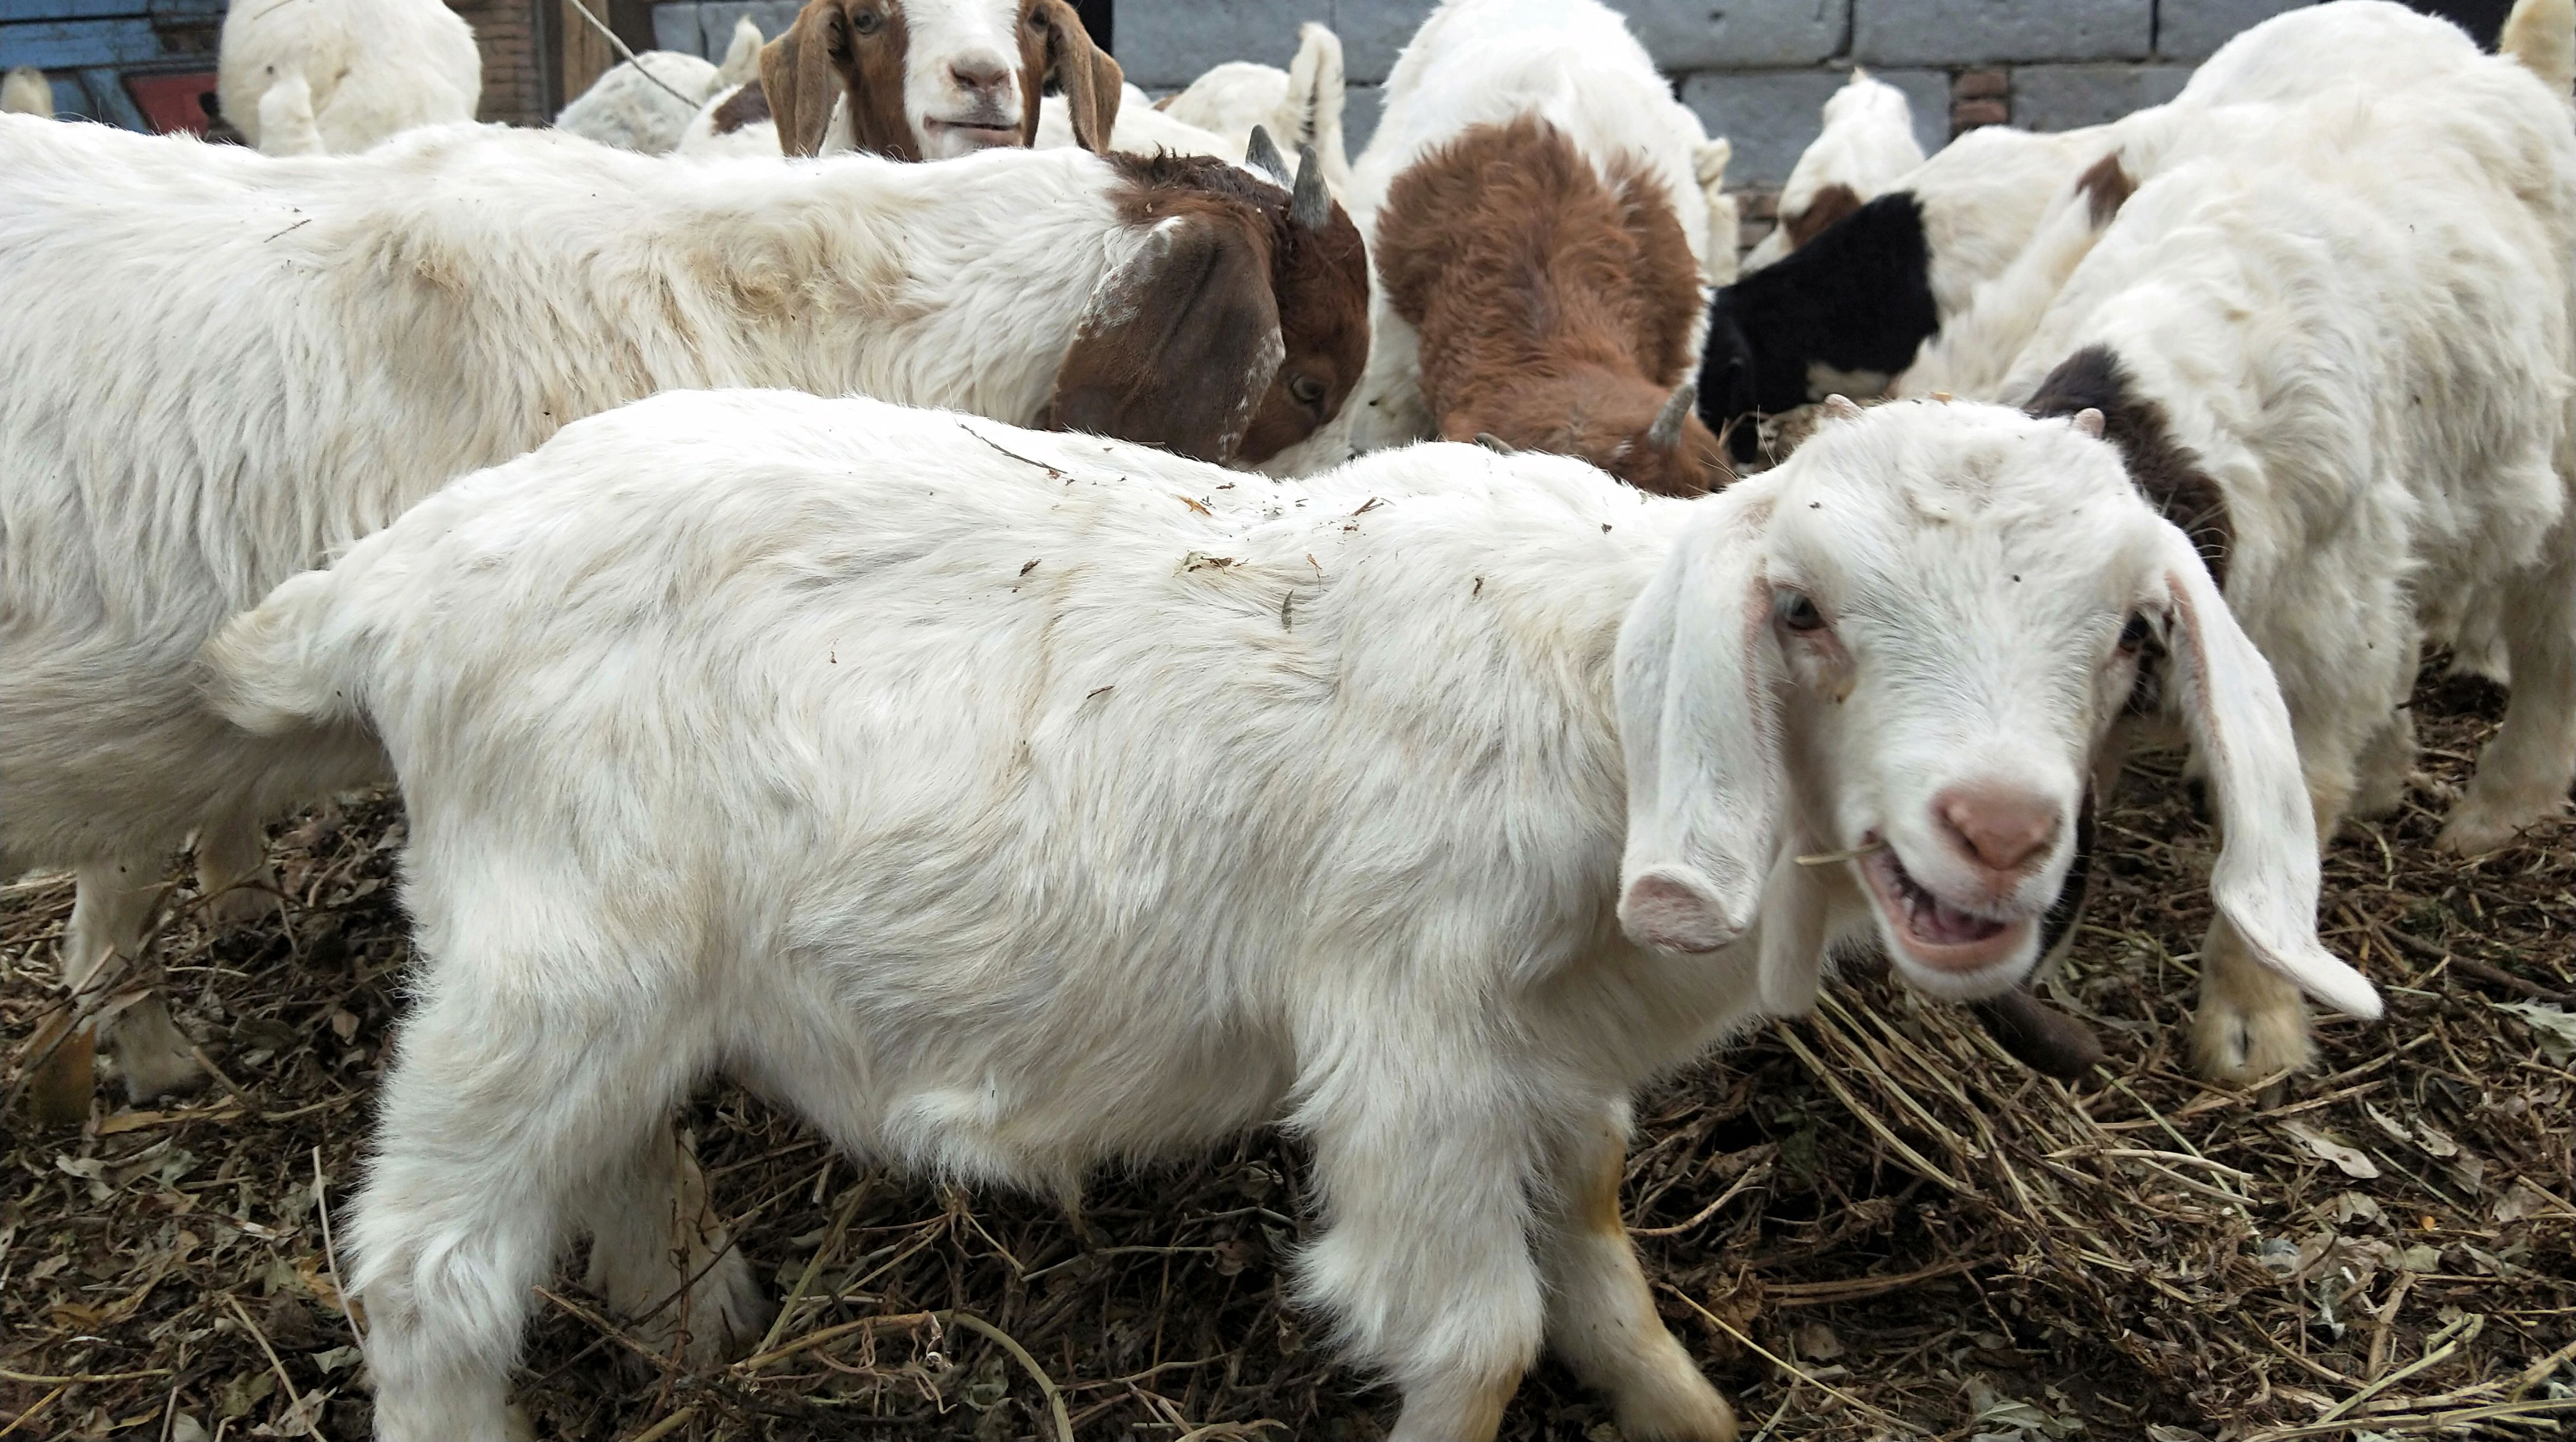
<point x="2239" y="1046"/>
<point x="244" y="905"/>
<point x="63" y="1077"/>
<point x="1692" y="1414"/>
<point x="726" y="1315"/>
<point x="2477" y="827"/>
<point x="153" y="1057"/>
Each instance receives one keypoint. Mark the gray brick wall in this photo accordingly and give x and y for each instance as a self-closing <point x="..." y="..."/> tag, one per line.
<point x="1755" y="70"/>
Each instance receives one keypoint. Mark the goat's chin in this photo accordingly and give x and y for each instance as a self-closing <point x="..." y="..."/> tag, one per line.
<point x="2014" y="954"/>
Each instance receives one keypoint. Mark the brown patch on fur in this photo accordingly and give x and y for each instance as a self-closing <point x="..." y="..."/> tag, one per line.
<point x="2107" y="187"/>
<point x="746" y="106"/>
<point x="1175" y="366"/>
<point x="1056" y="50"/>
<point x="837" y="48"/>
<point x="2165" y="471"/>
<point x="1831" y="204"/>
<point x="1555" y="304"/>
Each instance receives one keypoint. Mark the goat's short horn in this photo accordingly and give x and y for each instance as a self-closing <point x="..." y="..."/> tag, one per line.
<point x="1841" y="407"/>
<point x="1496" y="444"/>
<point x="1310" y="205"/>
<point x="1666" y="432"/>
<point x="1262" y="154"/>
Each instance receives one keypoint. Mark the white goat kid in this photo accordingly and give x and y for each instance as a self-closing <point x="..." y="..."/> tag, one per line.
<point x="2346" y="357"/>
<point x="1079" y="807"/>
<point x="331" y="76"/>
<point x="366" y="328"/>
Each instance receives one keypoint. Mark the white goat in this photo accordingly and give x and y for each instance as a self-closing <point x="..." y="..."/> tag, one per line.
<point x="2346" y="356"/>
<point x="1085" y="807"/>
<point x="339" y="75"/>
<point x="1479" y="68"/>
<point x="1867" y="145"/>
<point x="913" y="80"/>
<point x="26" y="91"/>
<point x="646" y="104"/>
<point x="365" y="328"/>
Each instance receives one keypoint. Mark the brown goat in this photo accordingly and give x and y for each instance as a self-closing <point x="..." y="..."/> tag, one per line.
<point x="909" y="106"/>
<point x="1555" y="304"/>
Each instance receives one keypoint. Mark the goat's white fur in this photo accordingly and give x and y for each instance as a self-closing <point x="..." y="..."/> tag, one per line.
<point x="1052" y="842"/>
<point x="360" y="330"/>
<point x="26" y="91"/>
<point x="1724" y="263"/>
<point x="1867" y="145"/>
<point x="349" y="72"/>
<point x="646" y="104"/>
<point x="1572" y="63"/>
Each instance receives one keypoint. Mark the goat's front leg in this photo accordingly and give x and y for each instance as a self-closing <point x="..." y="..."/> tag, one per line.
<point x="1601" y="1318"/>
<point x="112" y="905"/>
<point x="2251" y="1022"/>
<point x="1425" y="1264"/>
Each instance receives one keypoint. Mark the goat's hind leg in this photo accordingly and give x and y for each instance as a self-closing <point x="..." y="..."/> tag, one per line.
<point x="507" y="1113"/>
<point x="2523" y="773"/>
<point x="660" y="1256"/>
<point x="1600" y="1317"/>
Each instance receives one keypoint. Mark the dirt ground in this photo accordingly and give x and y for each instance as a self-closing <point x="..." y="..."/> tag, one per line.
<point x="1866" y="1223"/>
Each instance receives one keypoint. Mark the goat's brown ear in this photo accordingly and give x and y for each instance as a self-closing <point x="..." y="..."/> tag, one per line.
<point x="1178" y="346"/>
<point x="796" y="70"/>
<point x="1092" y="82"/>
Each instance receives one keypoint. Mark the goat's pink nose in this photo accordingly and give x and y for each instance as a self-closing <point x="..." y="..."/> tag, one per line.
<point x="1997" y="827"/>
<point x="978" y="73"/>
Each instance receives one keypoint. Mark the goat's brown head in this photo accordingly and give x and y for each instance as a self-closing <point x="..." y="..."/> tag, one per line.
<point x="931" y="79"/>
<point x="1238" y="326"/>
<point x="1556" y="303"/>
<point x="1646" y="437"/>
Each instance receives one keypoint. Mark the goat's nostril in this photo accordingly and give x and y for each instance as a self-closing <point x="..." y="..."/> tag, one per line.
<point x="1998" y="828"/>
<point x="978" y="74"/>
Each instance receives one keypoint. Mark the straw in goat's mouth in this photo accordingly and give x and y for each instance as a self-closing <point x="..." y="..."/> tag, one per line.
<point x="1828" y="858"/>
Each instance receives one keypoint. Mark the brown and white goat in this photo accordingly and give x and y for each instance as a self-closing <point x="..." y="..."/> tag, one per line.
<point x="931" y="79"/>
<point x="1555" y="303"/>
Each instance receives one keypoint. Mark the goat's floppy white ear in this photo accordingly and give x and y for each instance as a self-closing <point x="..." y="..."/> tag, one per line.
<point x="1700" y="729"/>
<point x="1793" y="937"/>
<point x="2265" y="882"/>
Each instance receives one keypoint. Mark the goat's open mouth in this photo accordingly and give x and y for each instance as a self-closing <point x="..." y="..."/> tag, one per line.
<point x="984" y="133"/>
<point x="1932" y="931"/>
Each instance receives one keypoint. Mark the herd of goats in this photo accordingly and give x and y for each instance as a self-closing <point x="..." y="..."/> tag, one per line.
<point x="1039" y="627"/>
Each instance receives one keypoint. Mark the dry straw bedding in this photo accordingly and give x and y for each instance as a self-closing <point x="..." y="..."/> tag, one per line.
<point x="1866" y="1223"/>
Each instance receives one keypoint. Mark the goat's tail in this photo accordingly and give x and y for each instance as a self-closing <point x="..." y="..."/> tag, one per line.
<point x="2541" y="34"/>
<point x="288" y="664"/>
<point x="1315" y="92"/>
<point x="286" y="125"/>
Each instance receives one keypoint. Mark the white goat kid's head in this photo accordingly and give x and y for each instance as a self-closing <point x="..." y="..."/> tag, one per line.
<point x="1906" y="643"/>
<point x="934" y="79"/>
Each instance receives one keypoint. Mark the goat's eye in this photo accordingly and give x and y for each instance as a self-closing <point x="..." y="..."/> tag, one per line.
<point x="2133" y="635"/>
<point x="866" y="22"/>
<point x="1797" y="611"/>
<point x="1308" y="390"/>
